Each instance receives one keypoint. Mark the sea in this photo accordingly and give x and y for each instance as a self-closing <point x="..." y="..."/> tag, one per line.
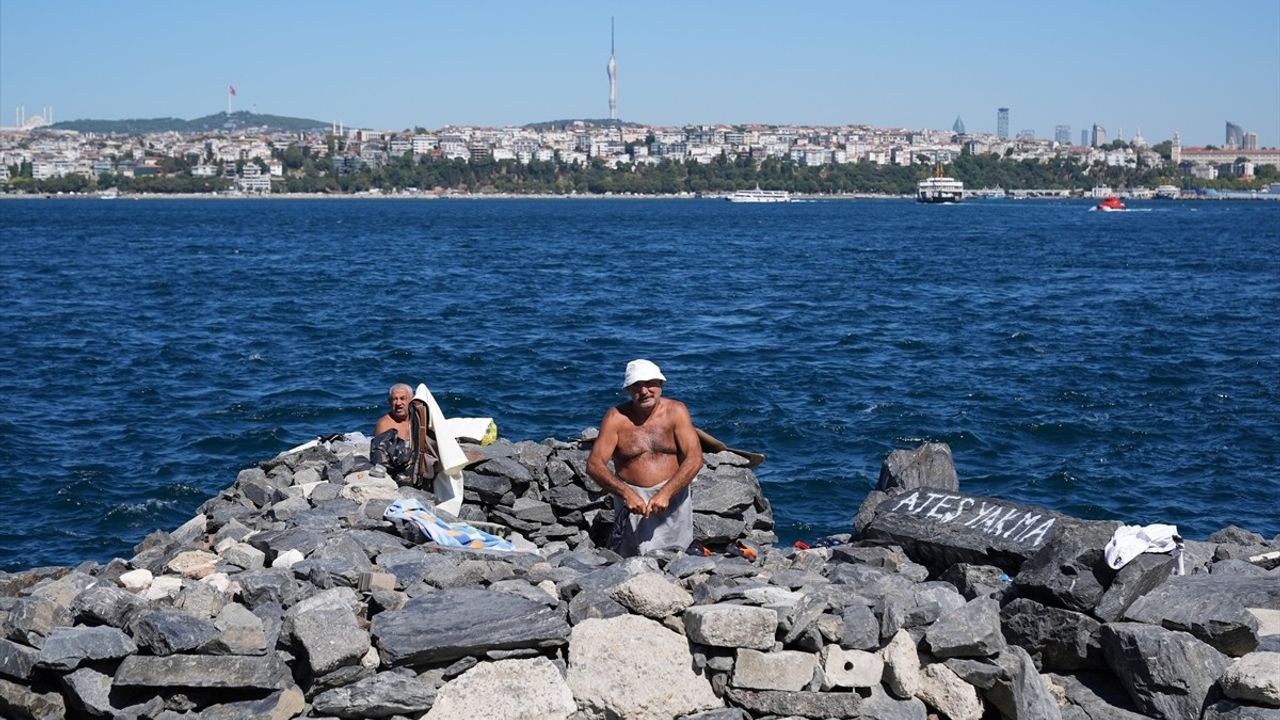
<point x="1120" y="366"/>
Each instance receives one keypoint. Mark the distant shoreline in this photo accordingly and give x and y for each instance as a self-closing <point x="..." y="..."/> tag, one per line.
<point x="517" y="196"/>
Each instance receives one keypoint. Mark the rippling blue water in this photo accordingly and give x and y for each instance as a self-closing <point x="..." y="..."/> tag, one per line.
<point x="1106" y="365"/>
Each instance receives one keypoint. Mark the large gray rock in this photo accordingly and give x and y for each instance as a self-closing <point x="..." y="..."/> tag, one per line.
<point x="593" y="604"/>
<point x="272" y="543"/>
<point x="1138" y="577"/>
<point x="1057" y="639"/>
<point x="849" y="668"/>
<point x="32" y="618"/>
<point x="867" y="511"/>
<point x="1254" y="678"/>
<point x="279" y="705"/>
<point x="506" y="690"/>
<point x="1226" y="709"/>
<point x="632" y="667"/>
<point x="454" y="623"/>
<point x="89" y="691"/>
<point x="63" y="590"/>
<point x="939" y="528"/>
<point x="381" y="695"/>
<point x="982" y="674"/>
<point x="901" y="665"/>
<point x="22" y="702"/>
<point x="17" y="660"/>
<point x="974" y="580"/>
<point x="66" y="648"/>
<point x="861" y="630"/>
<point x="947" y="693"/>
<point x="240" y="632"/>
<point x="165" y="632"/>
<point x="1205" y="607"/>
<point x="1236" y="535"/>
<point x="651" y="595"/>
<point x="726" y="491"/>
<point x="221" y="672"/>
<point x="105" y="604"/>
<point x="782" y="670"/>
<point x="330" y="639"/>
<point x="719" y="714"/>
<point x="971" y="631"/>
<point x="1024" y="694"/>
<point x="716" y="530"/>
<point x="272" y="585"/>
<point x="1094" y="696"/>
<point x="883" y="706"/>
<point x="1167" y="673"/>
<point x="929" y="465"/>
<point x="725" y="625"/>
<point x="1070" y="572"/>
<point x="803" y="704"/>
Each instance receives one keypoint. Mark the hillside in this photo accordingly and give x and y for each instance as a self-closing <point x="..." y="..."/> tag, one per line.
<point x="209" y="123"/>
<point x="562" y="124"/>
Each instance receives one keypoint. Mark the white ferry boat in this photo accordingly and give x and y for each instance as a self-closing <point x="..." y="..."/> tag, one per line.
<point x="760" y="196"/>
<point x="939" y="188"/>
<point x="1168" y="192"/>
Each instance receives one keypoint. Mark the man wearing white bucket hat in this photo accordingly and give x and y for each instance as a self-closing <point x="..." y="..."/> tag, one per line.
<point x="656" y="454"/>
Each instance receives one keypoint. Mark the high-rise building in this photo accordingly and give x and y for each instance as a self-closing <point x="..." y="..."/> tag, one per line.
<point x="957" y="127"/>
<point x="613" y="77"/>
<point x="1251" y="141"/>
<point x="1084" y="136"/>
<point x="1062" y="134"/>
<point x="1235" y="136"/>
<point x="1099" y="136"/>
<point x="1002" y="123"/>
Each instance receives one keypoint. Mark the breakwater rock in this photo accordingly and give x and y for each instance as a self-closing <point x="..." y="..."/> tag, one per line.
<point x="290" y="596"/>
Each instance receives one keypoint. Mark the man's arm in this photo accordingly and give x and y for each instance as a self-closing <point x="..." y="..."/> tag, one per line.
<point x="598" y="464"/>
<point x="689" y="451"/>
<point x="384" y="424"/>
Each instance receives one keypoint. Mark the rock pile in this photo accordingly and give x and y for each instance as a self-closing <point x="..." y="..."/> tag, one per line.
<point x="290" y="596"/>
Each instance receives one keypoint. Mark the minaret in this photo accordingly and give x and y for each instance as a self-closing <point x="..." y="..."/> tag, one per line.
<point x="613" y="77"/>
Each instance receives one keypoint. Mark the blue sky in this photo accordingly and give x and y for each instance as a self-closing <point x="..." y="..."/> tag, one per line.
<point x="1160" y="66"/>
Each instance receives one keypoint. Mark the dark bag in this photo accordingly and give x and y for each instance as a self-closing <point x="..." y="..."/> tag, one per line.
<point x="391" y="451"/>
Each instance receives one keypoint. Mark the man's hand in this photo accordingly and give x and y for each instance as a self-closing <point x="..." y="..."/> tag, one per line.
<point x="635" y="504"/>
<point x="658" y="504"/>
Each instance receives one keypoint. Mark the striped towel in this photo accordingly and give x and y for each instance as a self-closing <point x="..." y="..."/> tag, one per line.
<point x="444" y="534"/>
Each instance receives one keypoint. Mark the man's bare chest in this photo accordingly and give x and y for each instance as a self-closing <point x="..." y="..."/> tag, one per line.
<point x="641" y="441"/>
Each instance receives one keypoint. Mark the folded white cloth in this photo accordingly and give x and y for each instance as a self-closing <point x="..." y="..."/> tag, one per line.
<point x="448" y="485"/>
<point x="1130" y="541"/>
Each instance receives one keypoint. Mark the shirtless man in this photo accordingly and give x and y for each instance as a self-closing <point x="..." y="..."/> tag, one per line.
<point x="397" y="416"/>
<point x="656" y="454"/>
<point x="392" y="442"/>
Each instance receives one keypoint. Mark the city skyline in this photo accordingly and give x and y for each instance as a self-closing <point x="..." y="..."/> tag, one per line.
<point x="494" y="65"/>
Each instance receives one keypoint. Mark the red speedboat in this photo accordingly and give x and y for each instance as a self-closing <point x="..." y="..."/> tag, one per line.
<point x="1110" y="204"/>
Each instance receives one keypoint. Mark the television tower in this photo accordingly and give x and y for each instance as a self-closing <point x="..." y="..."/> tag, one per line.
<point x="613" y="77"/>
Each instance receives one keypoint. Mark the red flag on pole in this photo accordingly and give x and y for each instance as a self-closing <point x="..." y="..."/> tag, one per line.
<point x="231" y="89"/>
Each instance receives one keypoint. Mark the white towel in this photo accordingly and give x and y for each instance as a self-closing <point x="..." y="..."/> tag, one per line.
<point x="1130" y="541"/>
<point x="448" y="485"/>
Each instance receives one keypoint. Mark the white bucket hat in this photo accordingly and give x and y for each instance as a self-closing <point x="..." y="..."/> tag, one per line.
<point x="640" y="371"/>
